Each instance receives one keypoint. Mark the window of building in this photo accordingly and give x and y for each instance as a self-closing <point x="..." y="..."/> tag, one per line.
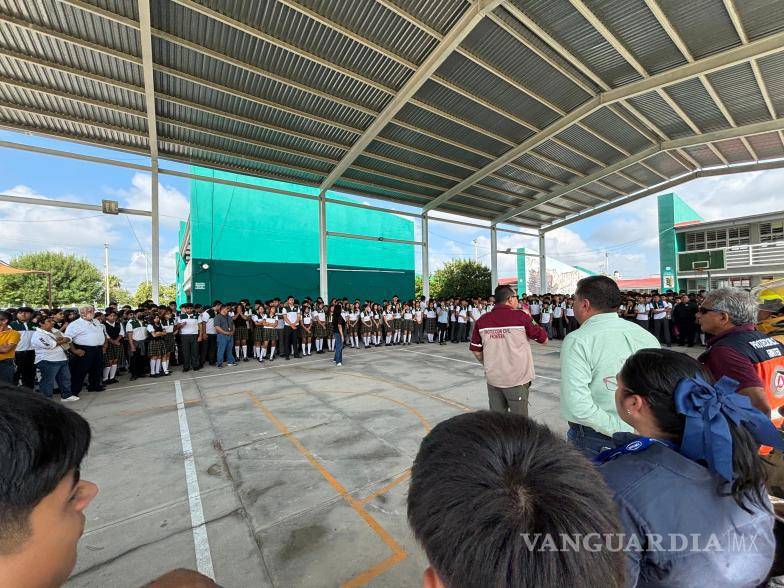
<point x="695" y="241"/>
<point x="738" y="235"/>
<point x="772" y="231"/>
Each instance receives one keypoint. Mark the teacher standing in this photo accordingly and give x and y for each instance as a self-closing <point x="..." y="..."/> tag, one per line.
<point x="87" y="338"/>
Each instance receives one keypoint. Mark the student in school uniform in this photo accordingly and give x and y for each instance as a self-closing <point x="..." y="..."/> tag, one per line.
<point x="388" y="318"/>
<point x="473" y="315"/>
<point x="571" y="320"/>
<point x="188" y="329"/>
<point x="269" y="333"/>
<point x="136" y="331"/>
<point x="319" y="326"/>
<point x="546" y="319"/>
<point x="454" y="309"/>
<point x="431" y="320"/>
<point x="241" y="333"/>
<point x="376" y="315"/>
<point x="397" y="322"/>
<point x="113" y="347"/>
<point x="257" y="322"/>
<point x="407" y="324"/>
<point x="660" y="322"/>
<point x="291" y="318"/>
<point x="642" y="312"/>
<point x="330" y="328"/>
<point x="462" y="321"/>
<point x="443" y="313"/>
<point x="156" y="347"/>
<point x="169" y="344"/>
<point x="25" y="354"/>
<point x="208" y="347"/>
<point x="307" y="329"/>
<point x="353" y="325"/>
<point x="367" y="325"/>
<point x="419" y="323"/>
<point x="557" y="318"/>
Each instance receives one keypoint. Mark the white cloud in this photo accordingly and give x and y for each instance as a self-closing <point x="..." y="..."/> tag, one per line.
<point x="138" y="269"/>
<point x="173" y="205"/>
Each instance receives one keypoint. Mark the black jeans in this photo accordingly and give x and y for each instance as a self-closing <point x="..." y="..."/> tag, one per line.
<point x="661" y="330"/>
<point x="25" y="368"/>
<point x="189" y="349"/>
<point x="90" y="365"/>
<point x="137" y="362"/>
<point x="208" y="350"/>
<point x="291" y="338"/>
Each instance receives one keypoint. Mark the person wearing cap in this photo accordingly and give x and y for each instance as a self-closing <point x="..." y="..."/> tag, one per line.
<point x="87" y="338"/>
<point x="25" y="354"/>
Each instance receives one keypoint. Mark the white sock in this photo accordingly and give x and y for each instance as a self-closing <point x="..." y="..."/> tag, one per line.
<point x="112" y="371"/>
<point x="430" y="337"/>
<point x="244" y="351"/>
<point x="165" y="364"/>
<point x="236" y="352"/>
<point x="389" y="339"/>
<point x="309" y="348"/>
<point x="263" y="352"/>
<point x="106" y="372"/>
<point x="272" y="353"/>
<point x="152" y="367"/>
<point x="408" y="337"/>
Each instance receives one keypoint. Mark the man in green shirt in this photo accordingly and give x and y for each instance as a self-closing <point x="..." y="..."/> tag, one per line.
<point x="591" y="356"/>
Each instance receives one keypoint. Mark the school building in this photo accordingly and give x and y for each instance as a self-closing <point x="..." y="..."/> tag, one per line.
<point x="245" y="243"/>
<point x="740" y="252"/>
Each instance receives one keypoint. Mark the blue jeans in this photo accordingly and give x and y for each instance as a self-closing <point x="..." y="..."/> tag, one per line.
<point x="587" y="440"/>
<point x="225" y="344"/>
<point x="338" y="348"/>
<point x="7" y="371"/>
<point x="52" y="371"/>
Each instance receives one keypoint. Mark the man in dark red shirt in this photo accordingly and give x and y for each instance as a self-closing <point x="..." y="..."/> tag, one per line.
<point x="500" y="341"/>
<point x="738" y="350"/>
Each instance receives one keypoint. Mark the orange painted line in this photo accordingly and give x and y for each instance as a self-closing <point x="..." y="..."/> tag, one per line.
<point x="364" y="577"/>
<point x="384" y="489"/>
<point x="398" y="553"/>
<point x="416" y="413"/>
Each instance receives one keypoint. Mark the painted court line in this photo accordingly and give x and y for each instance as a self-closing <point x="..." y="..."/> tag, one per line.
<point x="464" y="361"/>
<point x="200" y="541"/>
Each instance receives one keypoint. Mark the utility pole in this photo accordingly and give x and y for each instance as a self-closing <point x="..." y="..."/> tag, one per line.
<point x="106" y="273"/>
<point x="476" y="250"/>
<point x="606" y="263"/>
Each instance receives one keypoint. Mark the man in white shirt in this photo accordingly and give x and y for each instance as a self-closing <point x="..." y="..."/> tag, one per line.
<point x="188" y="328"/>
<point x="51" y="361"/>
<point x="87" y="338"/>
<point x="642" y="312"/>
<point x="291" y="320"/>
<point x="208" y="347"/>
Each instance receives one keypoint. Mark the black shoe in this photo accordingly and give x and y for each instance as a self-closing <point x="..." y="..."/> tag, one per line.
<point x="287" y="357"/>
<point x="186" y="369"/>
<point x="246" y="359"/>
<point x="196" y="369"/>
<point x="133" y="378"/>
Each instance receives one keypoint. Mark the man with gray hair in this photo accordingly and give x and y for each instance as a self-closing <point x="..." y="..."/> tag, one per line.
<point x="87" y="338"/>
<point x="738" y="350"/>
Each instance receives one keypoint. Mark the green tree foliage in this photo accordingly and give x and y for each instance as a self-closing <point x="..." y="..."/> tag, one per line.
<point x="166" y="293"/>
<point x="117" y="293"/>
<point x="418" y="286"/>
<point x="461" y="278"/>
<point x="74" y="280"/>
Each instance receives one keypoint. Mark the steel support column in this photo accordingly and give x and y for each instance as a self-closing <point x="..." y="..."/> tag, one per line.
<point x="493" y="258"/>
<point x="425" y="258"/>
<point x="156" y="233"/>
<point x="323" y="275"/>
<point x="542" y="264"/>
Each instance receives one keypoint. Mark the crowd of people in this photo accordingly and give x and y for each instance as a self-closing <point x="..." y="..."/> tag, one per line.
<point x="61" y="348"/>
<point x="663" y="480"/>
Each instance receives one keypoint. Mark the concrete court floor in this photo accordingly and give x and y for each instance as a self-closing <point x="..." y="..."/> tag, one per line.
<point x="302" y="467"/>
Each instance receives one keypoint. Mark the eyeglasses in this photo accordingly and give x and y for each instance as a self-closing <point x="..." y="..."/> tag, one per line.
<point x="611" y="382"/>
<point x="706" y="310"/>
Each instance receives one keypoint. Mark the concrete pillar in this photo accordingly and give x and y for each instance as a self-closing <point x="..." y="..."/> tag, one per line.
<point x="425" y="257"/>
<point x="493" y="257"/>
<point x="542" y="265"/>
<point x="323" y="275"/>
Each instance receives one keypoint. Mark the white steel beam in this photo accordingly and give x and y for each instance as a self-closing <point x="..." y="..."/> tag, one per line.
<point x="66" y="204"/>
<point x="493" y="258"/>
<point x="425" y="257"/>
<point x="322" y="230"/>
<point x="735" y="18"/>
<point x="542" y="264"/>
<point x="371" y="238"/>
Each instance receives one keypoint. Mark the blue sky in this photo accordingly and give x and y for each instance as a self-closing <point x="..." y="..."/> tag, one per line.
<point x="628" y="234"/>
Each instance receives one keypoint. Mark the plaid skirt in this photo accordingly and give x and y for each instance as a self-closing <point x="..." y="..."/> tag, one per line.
<point x="169" y="343"/>
<point x="304" y="334"/>
<point x="330" y="328"/>
<point x="267" y="334"/>
<point x="408" y="325"/>
<point x="240" y="333"/>
<point x="156" y="346"/>
<point x="112" y="353"/>
<point x="430" y="325"/>
<point x="396" y="324"/>
<point x="354" y="329"/>
<point x="258" y="334"/>
<point x="319" y="330"/>
<point x="367" y="328"/>
<point x="375" y="327"/>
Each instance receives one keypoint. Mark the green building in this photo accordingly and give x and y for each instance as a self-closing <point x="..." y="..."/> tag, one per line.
<point x="246" y="243"/>
<point x="673" y="213"/>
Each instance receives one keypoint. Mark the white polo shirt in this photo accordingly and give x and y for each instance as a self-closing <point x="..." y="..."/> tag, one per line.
<point x="138" y="333"/>
<point x="209" y="322"/>
<point x="46" y="346"/>
<point x="660" y="313"/>
<point x="86" y="333"/>
<point x="189" y="323"/>
<point x="642" y="311"/>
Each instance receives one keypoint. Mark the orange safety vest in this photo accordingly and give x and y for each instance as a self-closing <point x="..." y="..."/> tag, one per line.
<point x="766" y="355"/>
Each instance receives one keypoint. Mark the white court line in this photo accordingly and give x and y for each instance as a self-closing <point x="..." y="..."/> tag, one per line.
<point x="200" y="540"/>
<point x="464" y="361"/>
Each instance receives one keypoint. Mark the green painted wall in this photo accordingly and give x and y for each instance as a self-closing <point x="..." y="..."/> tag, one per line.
<point x="672" y="211"/>
<point x="521" y="274"/>
<point x="262" y="244"/>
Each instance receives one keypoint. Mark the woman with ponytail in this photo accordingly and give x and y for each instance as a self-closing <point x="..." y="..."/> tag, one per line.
<point x="690" y="485"/>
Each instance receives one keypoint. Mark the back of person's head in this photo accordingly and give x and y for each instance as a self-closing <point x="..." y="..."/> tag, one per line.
<point x="655" y="374"/>
<point x="504" y="293"/>
<point x="42" y="445"/>
<point x="602" y="292"/>
<point x="487" y="489"/>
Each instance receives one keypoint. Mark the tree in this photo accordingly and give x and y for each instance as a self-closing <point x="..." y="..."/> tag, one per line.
<point x="74" y="280"/>
<point x="166" y="293"/>
<point x="418" y="286"/>
<point x="117" y="293"/>
<point x="461" y="278"/>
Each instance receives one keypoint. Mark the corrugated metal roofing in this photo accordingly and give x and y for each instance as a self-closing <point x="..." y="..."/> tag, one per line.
<point x="285" y="88"/>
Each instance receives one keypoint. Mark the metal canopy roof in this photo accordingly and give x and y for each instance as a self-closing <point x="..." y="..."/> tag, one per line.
<point x="524" y="112"/>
